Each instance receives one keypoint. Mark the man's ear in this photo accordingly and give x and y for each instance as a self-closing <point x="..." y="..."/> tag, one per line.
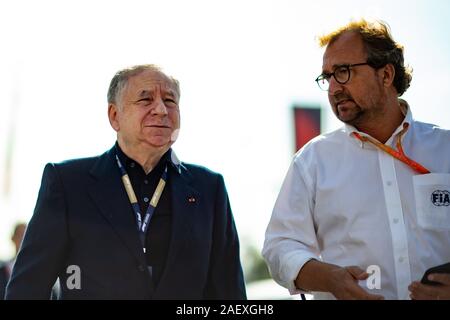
<point x="113" y="115"/>
<point x="388" y="75"/>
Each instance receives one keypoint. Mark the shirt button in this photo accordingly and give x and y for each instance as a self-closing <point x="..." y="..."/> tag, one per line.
<point x="395" y="220"/>
<point x="132" y="164"/>
<point x="401" y="259"/>
<point x="389" y="183"/>
<point x="146" y="181"/>
<point x="146" y="199"/>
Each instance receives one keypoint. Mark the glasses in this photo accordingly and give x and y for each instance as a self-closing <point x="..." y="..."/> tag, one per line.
<point x="341" y="74"/>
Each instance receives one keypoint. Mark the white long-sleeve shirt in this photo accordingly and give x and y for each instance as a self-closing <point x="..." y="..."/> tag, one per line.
<point x="347" y="203"/>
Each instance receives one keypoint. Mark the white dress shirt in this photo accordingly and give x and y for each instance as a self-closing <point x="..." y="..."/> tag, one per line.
<point x="346" y="202"/>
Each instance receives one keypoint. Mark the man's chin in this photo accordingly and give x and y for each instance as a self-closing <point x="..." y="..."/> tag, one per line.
<point x="159" y="143"/>
<point x="349" y="118"/>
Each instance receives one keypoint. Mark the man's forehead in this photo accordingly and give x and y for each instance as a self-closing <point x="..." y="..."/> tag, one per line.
<point x="150" y="80"/>
<point x="348" y="48"/>
<point x="154" y="85"/>
<point x="152" y="89"/>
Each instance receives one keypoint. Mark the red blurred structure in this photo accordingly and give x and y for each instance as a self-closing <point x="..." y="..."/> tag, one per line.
<point x="307" y="124"/>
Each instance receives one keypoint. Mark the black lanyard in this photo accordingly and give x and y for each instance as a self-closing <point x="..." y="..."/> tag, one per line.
<point x="142" y="225"/>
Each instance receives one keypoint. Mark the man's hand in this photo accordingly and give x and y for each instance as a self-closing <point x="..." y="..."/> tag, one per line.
<point x="345" y="284"/>
<point x="342" y="282"/>
<point x="420" y="291"/>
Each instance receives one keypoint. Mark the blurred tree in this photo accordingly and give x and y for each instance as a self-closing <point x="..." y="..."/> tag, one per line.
<point x="254" y="266"/>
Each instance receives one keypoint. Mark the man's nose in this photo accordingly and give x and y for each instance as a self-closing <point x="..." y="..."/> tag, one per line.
<point x="334" y="87"/>
<point x="160" y="107"/>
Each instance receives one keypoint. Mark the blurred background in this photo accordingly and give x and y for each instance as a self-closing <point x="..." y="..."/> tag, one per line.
<point x="246" y="68"/>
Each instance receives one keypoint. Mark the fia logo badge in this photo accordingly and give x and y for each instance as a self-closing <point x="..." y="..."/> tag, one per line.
<point x="440" y="198"/>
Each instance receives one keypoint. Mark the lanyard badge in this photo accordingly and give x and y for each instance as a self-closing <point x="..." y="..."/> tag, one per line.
<point x="398" y="154"/>
<point x="142" y="225"/>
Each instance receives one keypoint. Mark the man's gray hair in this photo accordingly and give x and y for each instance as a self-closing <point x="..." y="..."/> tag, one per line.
<point x="120" y="80"/>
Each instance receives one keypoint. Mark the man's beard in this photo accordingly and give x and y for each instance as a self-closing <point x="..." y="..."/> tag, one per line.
<point x="355" y="117"/>
<point x="354" y="114"/>
<point x="350" y="114"/>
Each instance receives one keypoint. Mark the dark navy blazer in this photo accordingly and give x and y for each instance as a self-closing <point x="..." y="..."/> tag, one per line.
<point x="4" y="276"/>
<point x="83" y="217"/>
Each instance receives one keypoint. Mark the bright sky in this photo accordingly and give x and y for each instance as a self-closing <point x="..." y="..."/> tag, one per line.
<point x="242" y="65"/>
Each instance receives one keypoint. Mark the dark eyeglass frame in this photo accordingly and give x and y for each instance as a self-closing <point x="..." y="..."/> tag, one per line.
<point x="327" y="76"/>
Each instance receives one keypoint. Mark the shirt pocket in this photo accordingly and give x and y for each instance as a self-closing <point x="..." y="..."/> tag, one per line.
<point x="432" y="193"/>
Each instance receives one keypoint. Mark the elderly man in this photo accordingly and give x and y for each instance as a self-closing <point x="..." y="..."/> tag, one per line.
<point x="369" y="198"/>
<point x="135" y="222"/>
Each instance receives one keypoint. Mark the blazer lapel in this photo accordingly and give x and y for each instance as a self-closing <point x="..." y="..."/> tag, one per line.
<point x="109" y="194"/>
<point x="184" y="207"/>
